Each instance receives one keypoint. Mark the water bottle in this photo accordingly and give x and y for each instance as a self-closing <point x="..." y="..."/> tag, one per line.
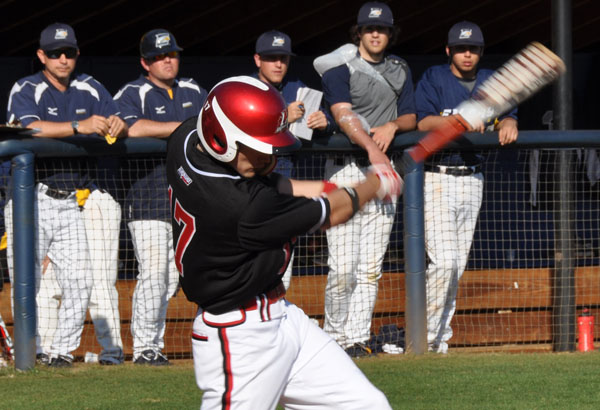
<point x="585" y="327"/>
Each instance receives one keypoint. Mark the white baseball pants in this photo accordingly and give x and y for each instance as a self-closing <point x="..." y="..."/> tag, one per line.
<point x="157" y="278"/>
<point x="452" y="206"/>
<point x="102" y="217"/>
<point x="255" y="359"/>
<point x="60" y="234"/>
<point x="356" y="252"/>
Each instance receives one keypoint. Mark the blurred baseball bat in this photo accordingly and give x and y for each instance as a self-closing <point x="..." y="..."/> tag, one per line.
<point x="519" y="78"/>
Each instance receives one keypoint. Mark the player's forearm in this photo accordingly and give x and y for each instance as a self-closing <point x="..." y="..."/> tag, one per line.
<point x="430" y="122"/>
<point x="50" y="129"/>
<point x="309" y="189"/>
<point x="340" y="202"/>
<point x="406" y="122"/>
<point x="351" y="125"/>
<point x="155" y="129"/>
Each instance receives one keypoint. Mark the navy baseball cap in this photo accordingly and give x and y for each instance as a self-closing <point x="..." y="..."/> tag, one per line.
<point x="274" y="43"/>
<point x="375" y="13"/>
<point x="156" y="42"/>
<point x="465" y="33"/>
<point x="57" y="35"/>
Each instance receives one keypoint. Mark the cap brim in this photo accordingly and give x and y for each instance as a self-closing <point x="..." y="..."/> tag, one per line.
<point x="59" y="44"/>
<point x="466" y="43"/>
<point x="157" y="52"/>
<point x="275" y="53"/>
<point x="375" y="23"/>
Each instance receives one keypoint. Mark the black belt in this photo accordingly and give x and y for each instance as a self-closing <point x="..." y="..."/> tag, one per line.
<point x="360" y="161"/>
<point x="454" y="171"/>
<point x="58" y="193"/>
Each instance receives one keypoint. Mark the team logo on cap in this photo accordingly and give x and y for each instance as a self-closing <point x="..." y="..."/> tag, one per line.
<point x="465" y="33"/>
<point x="278" y="41"/>
<point x="162" y="40"/>
<point x="61" y="34"/>
<point x="375" y="12"/>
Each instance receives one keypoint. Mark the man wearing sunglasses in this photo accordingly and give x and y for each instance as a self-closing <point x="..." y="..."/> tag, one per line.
<point x="72" y="243"/>
<point x="153" y="106"/>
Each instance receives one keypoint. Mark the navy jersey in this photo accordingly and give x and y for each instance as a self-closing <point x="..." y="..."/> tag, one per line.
<point x="141" y="99"/>
<point x="439" y="92"/>
<point x="232" y="235"/>
<point x="376" y="100"/>
<point x="34" y="98"/>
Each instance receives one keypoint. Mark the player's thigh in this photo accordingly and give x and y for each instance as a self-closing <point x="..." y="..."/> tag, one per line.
<point x="331" y="380"/>
<point x="247" y="364"/>
<point x="152" y="242"/>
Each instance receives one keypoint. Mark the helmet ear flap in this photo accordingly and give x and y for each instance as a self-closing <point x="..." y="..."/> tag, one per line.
<point x="213" y="136"/>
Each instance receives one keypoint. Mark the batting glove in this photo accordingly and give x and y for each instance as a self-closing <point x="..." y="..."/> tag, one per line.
<point x="390" y="183"/>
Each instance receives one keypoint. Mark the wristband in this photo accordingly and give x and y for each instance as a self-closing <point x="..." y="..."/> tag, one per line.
<point x="328" y="187"/>
<point x="354" y="197"/>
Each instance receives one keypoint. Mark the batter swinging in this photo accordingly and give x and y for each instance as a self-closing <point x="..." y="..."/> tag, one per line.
<point x="234" y="227"/>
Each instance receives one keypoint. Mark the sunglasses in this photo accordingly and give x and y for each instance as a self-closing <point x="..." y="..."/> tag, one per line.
<point x="170" y="54"/>
<point x="68" y="52"/>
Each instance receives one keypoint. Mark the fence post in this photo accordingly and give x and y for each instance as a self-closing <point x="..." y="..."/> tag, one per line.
<point x="564" y="303"/>
<point x="414" y="262"/>
<point x="23" y="251"/>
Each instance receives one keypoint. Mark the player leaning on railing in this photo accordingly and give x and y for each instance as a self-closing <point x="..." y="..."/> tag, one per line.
<point x="234" y="226"/>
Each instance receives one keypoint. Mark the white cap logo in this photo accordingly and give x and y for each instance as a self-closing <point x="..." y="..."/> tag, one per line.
<point x="278" y="41"/>
<point x="61" y="34"/>
<point x="465" y="33"/>
<point x="162" y="40"/>
<point x="375" y="12"/>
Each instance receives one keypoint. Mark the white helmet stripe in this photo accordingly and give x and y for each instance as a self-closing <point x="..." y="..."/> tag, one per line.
<point x="233" y="133"/>
<point x="245" y="79"/>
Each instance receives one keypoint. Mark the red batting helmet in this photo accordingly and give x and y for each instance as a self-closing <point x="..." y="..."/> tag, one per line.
<point x="244" y="110"/>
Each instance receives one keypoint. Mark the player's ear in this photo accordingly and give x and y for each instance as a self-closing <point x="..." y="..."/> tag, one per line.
<point x="257" y="60"/>
<point x="448" y="51"/>
<point x="144" y="64"/>
<point x="41" y="56"/>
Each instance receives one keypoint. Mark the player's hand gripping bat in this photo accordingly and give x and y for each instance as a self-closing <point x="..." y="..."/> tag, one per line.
<point x="519" y="78"/>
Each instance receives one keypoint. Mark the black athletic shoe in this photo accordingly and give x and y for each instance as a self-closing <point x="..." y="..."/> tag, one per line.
<point x="152" y="358"/>
<point x="61" y="361"/>
<point x="42" y="358"/>
<point x="110" y="361"/>
<point x="360" y="350"/>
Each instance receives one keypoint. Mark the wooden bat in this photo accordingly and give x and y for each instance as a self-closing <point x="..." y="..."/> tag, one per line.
<point x="519" y="78"/>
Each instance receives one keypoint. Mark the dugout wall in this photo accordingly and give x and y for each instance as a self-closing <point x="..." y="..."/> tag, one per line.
<point x="505" y="298"/>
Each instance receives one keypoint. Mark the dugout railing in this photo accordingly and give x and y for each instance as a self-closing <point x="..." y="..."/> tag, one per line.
<point x="511" y="280"/>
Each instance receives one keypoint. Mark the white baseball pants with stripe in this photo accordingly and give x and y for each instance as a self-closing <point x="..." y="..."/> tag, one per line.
<point x="255" y="359"/>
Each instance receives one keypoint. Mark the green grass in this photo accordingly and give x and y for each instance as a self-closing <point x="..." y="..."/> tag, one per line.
<point x="456" y="381"/>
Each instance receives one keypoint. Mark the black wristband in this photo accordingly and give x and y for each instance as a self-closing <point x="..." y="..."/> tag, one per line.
<point x="354" y="197"/>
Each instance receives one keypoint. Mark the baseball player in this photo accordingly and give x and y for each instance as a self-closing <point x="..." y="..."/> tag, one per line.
<point x="453" y="180"/>
<point x="234" y="227"/>
<point x="153" y="106"/>
<point x="273" y="52"/>
<point x="371" y="97"/>
<point x="60" y="105"/>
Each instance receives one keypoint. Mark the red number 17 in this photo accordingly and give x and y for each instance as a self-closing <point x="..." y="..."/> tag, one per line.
<point x="182" y="217"/>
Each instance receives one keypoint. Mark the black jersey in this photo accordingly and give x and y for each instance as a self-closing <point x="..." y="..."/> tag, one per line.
<point x="233" y="236"/>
